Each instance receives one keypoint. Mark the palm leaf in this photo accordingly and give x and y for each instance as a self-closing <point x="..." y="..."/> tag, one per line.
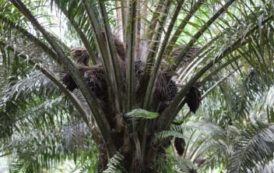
<point x="254" y="146"/>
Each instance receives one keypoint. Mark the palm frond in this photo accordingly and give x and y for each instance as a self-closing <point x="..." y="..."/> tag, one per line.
<point x="72" y="15"/>
<point x="185" y="166"/>
<point x="178" y="101"/>
<point x="113" y="164"/>
<point x="101" y="120"/>
<point x="48" y="147"/>
<point x="131" y="43"/>
<point x="255" y="146"/>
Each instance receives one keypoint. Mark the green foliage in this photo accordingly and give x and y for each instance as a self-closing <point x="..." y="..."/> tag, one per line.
<point x="254" y="147"/>
<point x="142" y="114"/>
<point x="114" y="164"/>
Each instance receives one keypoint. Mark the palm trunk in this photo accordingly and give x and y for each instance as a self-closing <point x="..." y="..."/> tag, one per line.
<point x="132" y="163"/>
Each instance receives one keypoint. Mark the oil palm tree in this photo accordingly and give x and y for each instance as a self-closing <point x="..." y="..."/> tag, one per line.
<point x="126" y="96"/>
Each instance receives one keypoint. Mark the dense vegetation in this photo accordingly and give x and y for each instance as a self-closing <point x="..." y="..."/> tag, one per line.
<point x="137" y="86"/>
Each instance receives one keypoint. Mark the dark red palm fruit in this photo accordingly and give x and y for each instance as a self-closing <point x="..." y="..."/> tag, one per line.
<point x="80" y="55"/>
<point x="180" y="144"/>
<point x="193" y="98"/>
